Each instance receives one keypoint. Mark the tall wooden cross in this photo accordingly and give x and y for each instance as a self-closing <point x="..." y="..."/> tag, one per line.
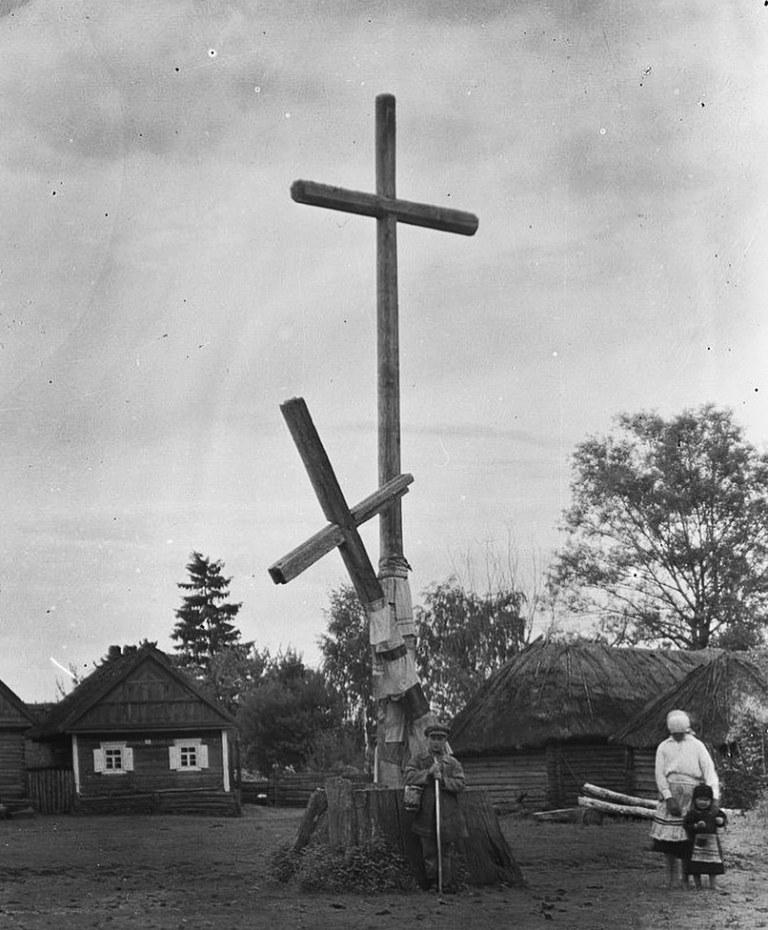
<point x="388" y="211"/>
<point x="393" y="646"/>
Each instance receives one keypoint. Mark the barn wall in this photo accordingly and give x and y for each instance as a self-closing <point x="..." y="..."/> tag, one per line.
<point x="516" y="781"/>
<point x="569" y="765"/>
<point x="12" y="772"/>
<point x="40" y="755"/>
<point x="151" y="770"/>
<point x="643" y="777"/>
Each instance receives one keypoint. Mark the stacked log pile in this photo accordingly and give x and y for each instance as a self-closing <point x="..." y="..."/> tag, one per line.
<point x="613" y="802"/>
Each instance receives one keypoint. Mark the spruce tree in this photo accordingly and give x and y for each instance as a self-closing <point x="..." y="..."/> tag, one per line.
<point x="204" y="626"/>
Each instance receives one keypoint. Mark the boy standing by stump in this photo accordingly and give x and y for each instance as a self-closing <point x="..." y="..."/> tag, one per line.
<point x="437" y="765"/>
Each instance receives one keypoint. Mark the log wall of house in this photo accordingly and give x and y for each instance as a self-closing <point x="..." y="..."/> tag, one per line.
<point x="12" y="770"/>
<point x="552" y="778"/>
<point x="151" y="765"/>
<point x="569" y="765"/>
<point x="49" y="754"/>
<point x="642" y="773"/>
<point x="517" y="781"/>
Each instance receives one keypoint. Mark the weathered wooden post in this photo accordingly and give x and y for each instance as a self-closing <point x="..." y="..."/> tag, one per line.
<point x="388" y="211"/>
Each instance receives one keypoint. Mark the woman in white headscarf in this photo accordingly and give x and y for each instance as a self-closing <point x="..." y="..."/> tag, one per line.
<point x="682" y="762"/>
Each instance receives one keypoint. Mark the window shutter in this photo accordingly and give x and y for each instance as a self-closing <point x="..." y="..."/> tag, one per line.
<point x="128" y="759"/>
<point x="174" y="758"/>
<point x="98" y="760"/>
<point x="202" y="756"/>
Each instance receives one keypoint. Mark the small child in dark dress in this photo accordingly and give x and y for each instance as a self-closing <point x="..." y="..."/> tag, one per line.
<point x="701" y="824"/>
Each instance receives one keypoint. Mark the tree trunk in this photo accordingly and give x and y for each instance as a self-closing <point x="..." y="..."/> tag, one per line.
<point x="357" y="816"/>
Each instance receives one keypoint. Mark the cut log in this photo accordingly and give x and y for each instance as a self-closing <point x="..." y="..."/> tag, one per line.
<point x="616" y="797"/>
<point x="623" y="810"/>
<point x="562" y="815"/>
<point x="355" y="817"/>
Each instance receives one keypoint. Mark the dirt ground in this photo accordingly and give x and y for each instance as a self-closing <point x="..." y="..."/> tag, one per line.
<point x="189" y="872"/>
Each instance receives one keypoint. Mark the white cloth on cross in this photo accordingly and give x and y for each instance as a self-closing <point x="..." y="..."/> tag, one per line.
<point x="398" y="592"/>
<point x="394" y="665"/>
<point x="394" y="672"/>
<point x="382" y="625"/>
<point x="393" y="723"/>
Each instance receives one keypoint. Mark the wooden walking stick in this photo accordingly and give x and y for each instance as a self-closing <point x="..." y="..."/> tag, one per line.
<point x="438" y="837"/>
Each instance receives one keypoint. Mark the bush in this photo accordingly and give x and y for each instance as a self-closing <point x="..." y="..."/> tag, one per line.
<point x="741" y="788"/>
<point x="283" y="864"/>
<point x="366" y="869"/>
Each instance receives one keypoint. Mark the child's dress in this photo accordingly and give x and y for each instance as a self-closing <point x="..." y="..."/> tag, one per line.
<point x="706" y="854"/>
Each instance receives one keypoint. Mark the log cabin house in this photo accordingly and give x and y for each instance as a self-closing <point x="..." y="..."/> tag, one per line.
<point x="727" y="702"/>
<point x="139" y="735"/>
<point x="540" y="726"/>
<point x="15" y="720"/>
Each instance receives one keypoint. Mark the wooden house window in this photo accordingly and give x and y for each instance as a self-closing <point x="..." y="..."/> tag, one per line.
<point x="113" y="759"/>
<point x="188" y="755"/>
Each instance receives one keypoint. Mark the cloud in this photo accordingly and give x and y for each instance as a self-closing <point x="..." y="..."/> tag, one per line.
<point x="8" y="7"/>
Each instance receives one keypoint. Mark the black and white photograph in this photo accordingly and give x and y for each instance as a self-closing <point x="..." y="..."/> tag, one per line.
<point x="383" y="464"/>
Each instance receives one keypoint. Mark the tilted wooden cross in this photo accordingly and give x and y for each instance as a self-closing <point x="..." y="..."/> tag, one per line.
<point x="341" y="531"/>
<point x="388" y="211"/>
<point x="396" y="670"/>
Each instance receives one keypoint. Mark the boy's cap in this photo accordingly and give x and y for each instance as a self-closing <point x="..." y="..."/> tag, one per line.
<point x="438" y="728"/>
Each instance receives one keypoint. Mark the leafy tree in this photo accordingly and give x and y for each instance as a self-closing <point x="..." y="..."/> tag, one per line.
<point x="462" y="637"/>
<point x="282" y="718"/>
<point x="235" y="671"/>
<point x="667" y="533"/>
<point x="347" y="661"/>
<point x="204" y="627"/>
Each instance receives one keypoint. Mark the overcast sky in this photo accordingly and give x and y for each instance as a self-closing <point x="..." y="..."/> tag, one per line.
<point x="161" y="295"/>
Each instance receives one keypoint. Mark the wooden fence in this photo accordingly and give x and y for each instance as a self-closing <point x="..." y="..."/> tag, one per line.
<point x="290" y="790"/>
<point x="51" y="791"/>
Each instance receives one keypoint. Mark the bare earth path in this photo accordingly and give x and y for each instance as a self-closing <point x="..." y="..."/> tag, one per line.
<point x="187" y="872"/>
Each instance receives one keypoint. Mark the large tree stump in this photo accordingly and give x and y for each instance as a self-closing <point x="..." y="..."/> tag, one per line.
<point x="316" y="807"/>
<point x="355" y="817"/>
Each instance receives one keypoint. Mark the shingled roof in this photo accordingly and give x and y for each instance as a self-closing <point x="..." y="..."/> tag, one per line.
<point x="712" y="694"/>
<point x="65" y="715"/>
<point x="562" y="691"/>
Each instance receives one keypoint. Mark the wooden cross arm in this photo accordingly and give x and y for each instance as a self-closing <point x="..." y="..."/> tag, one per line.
<point x="300" y="558"/>
<point x="405" y="211"/>
<point x="331" y="498"/>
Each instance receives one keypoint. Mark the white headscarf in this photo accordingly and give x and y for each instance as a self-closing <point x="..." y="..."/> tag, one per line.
<point x="678" y="722"/>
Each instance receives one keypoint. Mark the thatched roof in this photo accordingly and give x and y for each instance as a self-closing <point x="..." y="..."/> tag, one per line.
<point x="713" y="695"/>
<point x="561" y="691"/>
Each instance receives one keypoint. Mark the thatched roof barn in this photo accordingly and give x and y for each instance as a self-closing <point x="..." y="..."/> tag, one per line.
<point x="540" y="726"/>
<point x="714" y="696"/>
<point x="724" y="698"/>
